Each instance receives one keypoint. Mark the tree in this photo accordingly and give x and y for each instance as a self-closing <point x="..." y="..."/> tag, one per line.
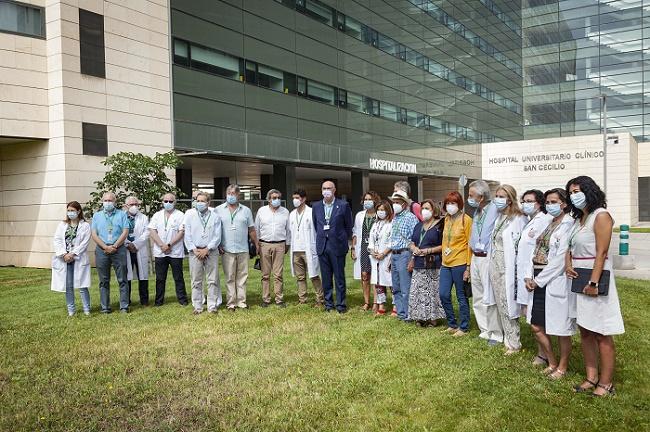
<point x="136" y="174"/>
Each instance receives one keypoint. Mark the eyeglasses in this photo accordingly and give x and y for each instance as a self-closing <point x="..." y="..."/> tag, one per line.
<point x="168" y="201"/>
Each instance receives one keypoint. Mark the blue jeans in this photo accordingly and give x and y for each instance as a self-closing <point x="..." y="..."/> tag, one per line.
<point x="69" y="291"/>
<point x="449" y="276"/>
<point x="401" y="283"/>
<point x="104" y="263"/>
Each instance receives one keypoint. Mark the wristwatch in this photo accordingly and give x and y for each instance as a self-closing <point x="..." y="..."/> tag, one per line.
<point x="593" y="284"/>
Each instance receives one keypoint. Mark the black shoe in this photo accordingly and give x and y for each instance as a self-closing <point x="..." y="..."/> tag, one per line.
<point x="184" y="303"/>
<point x="106" y="311"/>
<point x="342" y="311"/>
<point x="281" y="305"/>
<point x="264" y="305"/>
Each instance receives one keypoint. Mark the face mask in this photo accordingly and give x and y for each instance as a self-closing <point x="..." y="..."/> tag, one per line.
<point x="276" y="202"/>
<point x="201" y="206"/>
<point x="529" y="208"/>
<point x="452" y="209"/>
<point x="381" y="214"/>
<point x="133" y="210"/>
<point x="472" y="202"/>
<point x="426" y="214"/>
<point x="368" y="204"/>
<point x="168" y="206"/>
<point x="501" y="203"/>
<point x="554" y="209"/>
<point x="109" y="206"/>
<point x="297" y="202"/>
<point x="231" y="199"/>
<point x="579" y="200"/>
<point x="397" y="208"/>
<point x="72" y="215"/>
<point x="327" y="193"/>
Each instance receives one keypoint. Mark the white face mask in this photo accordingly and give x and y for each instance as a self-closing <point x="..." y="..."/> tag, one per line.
<point x="381" y="214"/>
<point x="452" y="209"/>
<point x="133" y="210"/>
<point x="501" y="203"/>
<point x="73" y="215"/>
<point x="397" y="208"/>
<point x="297" y="202"/>
<point x="327" y="193"/>
<point x="426" y="214"/>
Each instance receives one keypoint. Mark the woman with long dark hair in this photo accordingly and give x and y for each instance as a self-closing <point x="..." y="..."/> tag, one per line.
<point x="598" y="314"/>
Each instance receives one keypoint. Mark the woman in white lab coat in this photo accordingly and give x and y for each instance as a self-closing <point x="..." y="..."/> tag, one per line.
<point x="379" y="249"/>
<point x="137" y="245"/>
<point x="70" y="263"/>
<point x="532" y="204"/>
<point x="503" y="261"/>
<point x="363" y="223"/>
<point x="551" y="308"/>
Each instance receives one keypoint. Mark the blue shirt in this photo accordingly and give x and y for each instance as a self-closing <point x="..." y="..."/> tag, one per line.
<point x="403" y="226"/>
<point x="425" y="240"/>
<point x="482" y="226"/>
<point x="234" y="227"/>
<point x="109" y="226"/>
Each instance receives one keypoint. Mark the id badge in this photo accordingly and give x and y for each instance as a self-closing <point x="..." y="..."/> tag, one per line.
<point x="233" y="227"/>
<point x="326" y="227"/>
<point x="480" y="247"/>
<point x="110" y="237"/>
<point x="447" y="251"/>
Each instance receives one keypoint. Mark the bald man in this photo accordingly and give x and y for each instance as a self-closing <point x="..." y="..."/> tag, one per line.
<point x="332" y="220"/>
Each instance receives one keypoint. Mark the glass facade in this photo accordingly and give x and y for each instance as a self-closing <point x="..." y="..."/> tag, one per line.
<point x="576" y="50"/>
<point x="341" y="82"/>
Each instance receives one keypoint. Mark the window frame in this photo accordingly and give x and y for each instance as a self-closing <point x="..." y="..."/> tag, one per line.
<point x="43" y="32"/>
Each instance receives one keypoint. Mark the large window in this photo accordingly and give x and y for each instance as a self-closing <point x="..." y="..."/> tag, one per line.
<point x="319" y="11"/>
<point x="94" y="139"/>
<point x="91" y="44"/>
<point x="215" y="62"/>
<point x="320" y="92"/>
<point x="270" y="78"/>
<point x="389" y="112"/>
<point x="22" y="19"/>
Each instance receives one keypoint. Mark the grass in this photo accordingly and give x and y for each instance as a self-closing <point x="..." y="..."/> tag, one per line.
<point x="295" y="369"/>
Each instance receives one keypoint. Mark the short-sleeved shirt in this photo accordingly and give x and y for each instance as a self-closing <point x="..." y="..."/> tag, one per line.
<point x="234" y="227"/>
<point x="402" y="231"/>
<point x="426" y="239"/>
<point x="167" y="228"/>
<point x="109" y="226"/>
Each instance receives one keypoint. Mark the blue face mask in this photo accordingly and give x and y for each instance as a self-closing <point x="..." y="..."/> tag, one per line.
<point x="109" y="206"/>
<point x="168" y="206"/>
<point x="501" y="203"/>
<point x="72" y="215"/>
<point x="276" y="202"/>
<point x="554" y="209"/>
<point x="579" y="200"/>
<point x="368" y="204"/>
<point x="201" y="206"/>
<point x="529" y="208"/>
<point x="472" y="202"/>
<point x="231" y="199"/>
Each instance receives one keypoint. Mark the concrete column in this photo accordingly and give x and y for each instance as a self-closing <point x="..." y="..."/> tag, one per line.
<point x="360" y="185"/>
<point x="417" y="188"/>
<point x="184" y="181"/>
<point x="284" y="180"/>
<point x="266" y="181"/>
<point x="220" y="185"/>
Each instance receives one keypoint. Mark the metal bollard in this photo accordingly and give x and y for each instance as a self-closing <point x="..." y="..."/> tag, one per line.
<point x="624" y="240"/>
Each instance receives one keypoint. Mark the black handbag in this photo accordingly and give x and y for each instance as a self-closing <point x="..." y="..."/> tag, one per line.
<point x="584" y="277"/>
<point x="467" y="289"/>
<point x="257" y="265"/>
<point x="252" y="249"/>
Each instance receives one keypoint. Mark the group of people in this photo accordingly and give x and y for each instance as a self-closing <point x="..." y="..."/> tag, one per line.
<point x="543" y="256"/>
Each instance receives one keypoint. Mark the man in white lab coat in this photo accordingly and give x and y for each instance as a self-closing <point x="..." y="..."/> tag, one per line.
<point x="137" y="245"/>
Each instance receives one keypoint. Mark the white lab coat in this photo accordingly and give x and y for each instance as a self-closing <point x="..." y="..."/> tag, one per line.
<point x="510" y="235"/>
<point x="379" y="241"/>
<point x="141" y="242"/>
<point x="560" y="304"/>
<point x="357" y="231"/>
<point x="81" y="262"/>
<point x="525" y="250"/>
<point x="306" y="232"/>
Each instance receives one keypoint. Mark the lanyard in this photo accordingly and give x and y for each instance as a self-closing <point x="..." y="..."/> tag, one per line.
<point x="131" y="222"/>
<point x="232" y="215"/>
<point x="109" y="221"/>
<point x="328" y="211"/>
<point x="368" y="222"/>
<point x="450" y="230"/>
<point x="205" y="223"/>
<point x="423" y="234"/>
<point x="498" y="229"/>
<point x="299" y="221"/>
<point x="377" y="227"/>
<point x="166" y="218"/>
<point x="480" y="220"/>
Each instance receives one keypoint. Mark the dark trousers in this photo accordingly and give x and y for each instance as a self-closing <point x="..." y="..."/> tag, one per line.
<point x="104" y="262"/>
<point x="143" y="285"/>
<point x="162" y="265"/>
<point x="333" y="265"/>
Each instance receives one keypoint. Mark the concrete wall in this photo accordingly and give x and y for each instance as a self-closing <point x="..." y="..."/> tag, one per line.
<point x="506" y="162"/>
<point x="39" y="177"/>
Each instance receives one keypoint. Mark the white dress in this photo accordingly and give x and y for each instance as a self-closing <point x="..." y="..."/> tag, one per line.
<point x="601" y="314"/>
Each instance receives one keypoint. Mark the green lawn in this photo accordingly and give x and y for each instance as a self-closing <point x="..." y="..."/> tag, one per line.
<point x="295" y="369"/>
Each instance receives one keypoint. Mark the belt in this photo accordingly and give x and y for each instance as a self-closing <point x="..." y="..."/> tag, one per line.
<point x="480" y="254"/>
<point x="539" y="266"/>
<point x="200" y="247"/>
<point x="398" y="251"/>
<point x="272" y="242"/>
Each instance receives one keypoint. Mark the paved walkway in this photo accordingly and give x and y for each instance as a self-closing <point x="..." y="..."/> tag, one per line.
<point x="640" y="248"/>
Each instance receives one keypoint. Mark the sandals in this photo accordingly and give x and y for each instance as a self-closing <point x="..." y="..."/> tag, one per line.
<point x="581" y="389"/>
<point x="557" y="374"/>
<point x="380" y="312"/>
<point x="538" y="360"/>
<point x="365" y="306"/>
<point x="610" y="390"/>
<point x="549" y="370"/>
